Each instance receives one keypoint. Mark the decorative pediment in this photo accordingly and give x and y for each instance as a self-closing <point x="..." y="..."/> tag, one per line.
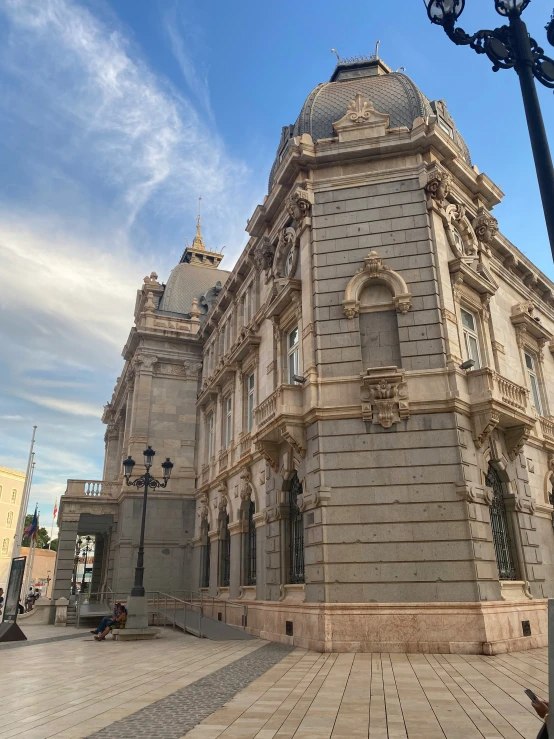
<point x="375" y="270"/>
<point x="474" y="274"/>
<point x="384" y="396"/>
<point x="527" y="322"/>
<point x="361" y="121"/>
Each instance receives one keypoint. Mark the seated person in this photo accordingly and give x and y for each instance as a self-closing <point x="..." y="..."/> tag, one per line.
<point x="117" y="623"/>
<point x="107" y="620"/>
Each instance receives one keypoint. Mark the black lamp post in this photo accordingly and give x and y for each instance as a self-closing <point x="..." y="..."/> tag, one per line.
<point x="78" y="546"/>
<point x="85" y="552"/>
<point x="144" y="481"/>
<point x="511" y="47"/>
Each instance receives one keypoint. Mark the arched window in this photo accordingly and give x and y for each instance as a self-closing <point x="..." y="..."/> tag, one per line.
<point x="296" y="529"/>
<point x="500" y="528"/>
<point x="206" y="550"/>
<point x="9" y="519"/>
<point x="225" y="559"/>
<point x="251" y="546"/>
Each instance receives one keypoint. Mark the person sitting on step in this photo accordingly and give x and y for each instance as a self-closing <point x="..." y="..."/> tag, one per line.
<point x="116" y="623"/>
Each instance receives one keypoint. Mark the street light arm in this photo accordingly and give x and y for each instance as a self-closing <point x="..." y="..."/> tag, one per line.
<point x="500" y="47"/>
<point x="140" y="482"/>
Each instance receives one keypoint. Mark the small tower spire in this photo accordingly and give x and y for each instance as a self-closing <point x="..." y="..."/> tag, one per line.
<point x="198" y="241"/>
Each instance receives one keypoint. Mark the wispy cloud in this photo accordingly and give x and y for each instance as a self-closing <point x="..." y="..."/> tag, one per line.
<point x="75" y="408"/>
<point x="107" y="161"/>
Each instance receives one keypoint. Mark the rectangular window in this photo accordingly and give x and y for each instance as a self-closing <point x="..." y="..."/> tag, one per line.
<point x="9" y="519"/>
<point x="251" y="301"/>
<point x="243" y="311"/>
<point x="5" y="546"/>
<point x="228" y="335"/>
<point x="14" y="496"/>
<point x="293" y="354"/>
<point x="228" y="422"/>
<point x="250" y="388"/>
<point x="210" y="436"/>
<point x="534" y="382"/>
<point x="471" y="338"/>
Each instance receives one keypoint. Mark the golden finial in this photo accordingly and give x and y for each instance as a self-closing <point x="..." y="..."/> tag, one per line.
<point x="198" y="241"/>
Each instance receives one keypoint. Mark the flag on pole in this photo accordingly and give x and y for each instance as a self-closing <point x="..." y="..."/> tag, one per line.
<point x="32" y="529"/>
<point x="55" y="508"/>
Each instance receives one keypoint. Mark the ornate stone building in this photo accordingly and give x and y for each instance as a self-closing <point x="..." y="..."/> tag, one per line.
<point x="360" y="412"/>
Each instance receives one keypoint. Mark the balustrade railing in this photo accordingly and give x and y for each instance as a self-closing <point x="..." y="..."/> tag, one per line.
<point x="511" y="394"/>
<point x="92" y="488"/>
<point x="547" y="426"/>
<point x="267" y="409"/>
<point x="245" y="444"/>
<point x="223" y="460"/>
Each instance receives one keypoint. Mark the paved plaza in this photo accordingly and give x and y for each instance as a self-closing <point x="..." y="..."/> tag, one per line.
<point x="54" y="686"/>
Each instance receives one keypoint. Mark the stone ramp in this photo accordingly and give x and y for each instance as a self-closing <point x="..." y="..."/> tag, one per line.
<point x="210" y="628"/>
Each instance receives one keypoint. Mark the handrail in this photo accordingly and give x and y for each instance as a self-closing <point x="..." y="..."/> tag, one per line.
<point x="195" y="600"/>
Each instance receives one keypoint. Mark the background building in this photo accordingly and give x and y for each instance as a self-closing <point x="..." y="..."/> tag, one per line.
<point x="11" y="491"/>
<point x="44" y="565"/>
<point x="366" y="459"/>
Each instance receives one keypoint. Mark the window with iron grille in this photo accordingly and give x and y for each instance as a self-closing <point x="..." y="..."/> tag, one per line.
<point x="225" y="544"/>
<point x="251" y="554"/>
<point x="206" y="551"/>
<point x="500" y="528"/>
<point x="296" y="529"/>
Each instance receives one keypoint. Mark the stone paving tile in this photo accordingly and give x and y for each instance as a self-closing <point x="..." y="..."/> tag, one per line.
<point x="181" y="711"/>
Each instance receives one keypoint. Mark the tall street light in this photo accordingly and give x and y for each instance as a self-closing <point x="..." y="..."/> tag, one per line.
<point x="136" y="606"/>
<point x="511" y="47"/>
<point x="78" y="546"/>
<point x="85" y="551"/>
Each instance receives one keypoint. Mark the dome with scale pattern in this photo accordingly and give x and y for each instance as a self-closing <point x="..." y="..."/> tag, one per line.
<point x="391" y="92"/>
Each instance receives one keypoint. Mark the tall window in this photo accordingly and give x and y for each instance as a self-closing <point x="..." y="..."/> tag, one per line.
<point x="228" y="422"/>
<point x="471" y="338"/>
<point x="225" y="563"/>
<point x="210" y="436"/>
<point x="251" y="544"/>
<point x="296" y="530"/>
<point x="500" y="528"/>
<point x="228" y="335"/>
<point x="0" y="491"/>
<point x="9" y="519"/>
<point x="206" y="551"/>
<point x="251" y="390"/>
<point x="243" y="310"/>
<point x="250" y="295"/>
<point x="14" y="496"/>
<point x="293" y="354"/>
<point x="5" y="546"/>
<point x="534" y="382"/>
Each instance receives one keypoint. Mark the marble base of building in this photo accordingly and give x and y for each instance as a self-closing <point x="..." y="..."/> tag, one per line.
<point x="435" y="628"/>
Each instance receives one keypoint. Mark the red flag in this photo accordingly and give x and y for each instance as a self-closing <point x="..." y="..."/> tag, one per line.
<point x="55" y="508"/>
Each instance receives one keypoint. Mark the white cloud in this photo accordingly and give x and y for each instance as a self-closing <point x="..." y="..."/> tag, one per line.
<point x="62" y="405"/>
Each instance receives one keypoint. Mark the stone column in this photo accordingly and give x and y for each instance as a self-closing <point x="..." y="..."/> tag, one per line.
<point x="259" y="520"/>
<point x="237" y="558"/>
<point x="112" y="461"/>
<point x="214" y="562"/>
<point x="142" y="398"/>
<point x="65" y="561"/>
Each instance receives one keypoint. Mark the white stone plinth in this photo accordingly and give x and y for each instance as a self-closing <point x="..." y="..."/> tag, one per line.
<point x="137" y="612"/>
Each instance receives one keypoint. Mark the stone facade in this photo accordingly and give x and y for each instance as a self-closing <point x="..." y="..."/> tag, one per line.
<point x="12" y="483"/>
<point x="367" y="457"/>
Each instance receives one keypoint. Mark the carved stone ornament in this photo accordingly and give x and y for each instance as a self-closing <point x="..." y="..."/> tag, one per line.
<point x="246" y="487"/>
<point x="314" y="498"/>
<point x="287" y="241"/>
<point x="384" y="396"/>
<point x="298" y="203"/>
<point x="203" y="507"/>
<point x="438" y="183"/>
<point x="374" y="269"/>
<point x="264" y="254"/>
<point x="484" y="424"/>
<point x="516" y="438"/>
<point x="296" y="437"/>
<point x="485" y="226"/>
<point x="361" y="120"/>
<point x="270" y="452"/>
<point x="145" y="361"/>
<point x="459" y="231"/>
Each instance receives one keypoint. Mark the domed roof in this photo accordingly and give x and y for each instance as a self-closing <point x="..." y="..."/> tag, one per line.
<point x="189" y="281"/>
<point x="391" y="92"/>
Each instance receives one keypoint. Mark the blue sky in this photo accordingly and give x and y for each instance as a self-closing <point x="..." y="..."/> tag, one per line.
<point x="115" y="117"/>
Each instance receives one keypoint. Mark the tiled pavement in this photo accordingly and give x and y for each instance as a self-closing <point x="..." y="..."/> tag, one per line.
<point x="75" y="688"/>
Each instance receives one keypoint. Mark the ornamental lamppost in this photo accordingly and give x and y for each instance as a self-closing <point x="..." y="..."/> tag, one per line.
<point x="78" y="546"/>
<point x="136" y="605"/>
<point x="85" y="551"/>
<point x="511" y="47"/>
